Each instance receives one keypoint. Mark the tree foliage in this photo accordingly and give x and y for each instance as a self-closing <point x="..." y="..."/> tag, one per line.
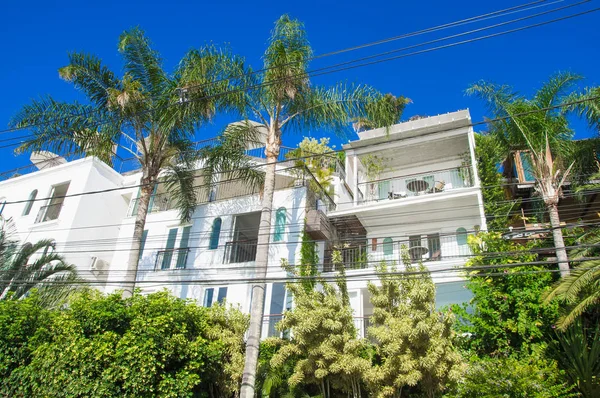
<point x="324" y="338"/>
<point x="506" y="314"/>
<point x="143" y="346"/>
<point x="413" y="342"/>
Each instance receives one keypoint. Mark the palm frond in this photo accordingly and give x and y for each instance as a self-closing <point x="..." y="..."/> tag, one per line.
<point x="142" y="62"/>
<point x="573" y="313"/>
<point x="180" y="183"/>
<point x="554" y="90"/>
<point x="88" y="74"/>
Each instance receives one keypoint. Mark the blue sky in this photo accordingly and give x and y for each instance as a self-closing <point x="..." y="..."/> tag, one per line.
<point x="37" y="35"/>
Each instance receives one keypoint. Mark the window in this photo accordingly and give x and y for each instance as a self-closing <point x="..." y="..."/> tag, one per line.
<point x="209" y="296"/>
<point x="434" y="246"/>
<point x="51" y="210"/>
<point x="214" y="234"/>
<point x="280" y="218"/>
<point x="168" y="252"/>
<point x="461" y="236"/>
<point x="388" y="247"/>
<point x="276" y="308"/>
<point x="29" y="203"/>
<point x="183" y="247"/>
<point x="414" y="247"/>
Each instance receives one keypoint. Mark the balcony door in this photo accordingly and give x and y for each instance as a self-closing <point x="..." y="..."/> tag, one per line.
<point x="242" y="248"/>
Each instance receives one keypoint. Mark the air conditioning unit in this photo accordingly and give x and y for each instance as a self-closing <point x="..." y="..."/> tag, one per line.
<point x="97" y="264"/>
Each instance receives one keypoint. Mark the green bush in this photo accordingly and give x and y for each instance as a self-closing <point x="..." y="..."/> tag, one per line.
<point x="512" y="377"/>
<point x="101" y="346"/>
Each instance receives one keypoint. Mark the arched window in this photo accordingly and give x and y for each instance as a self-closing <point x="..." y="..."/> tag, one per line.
<point x="461" y="236"/>
<point x="214" y="234"/>
<point x="29" y="203"/>
<point x="388" y="247"/>
<point x="280" y="218"/>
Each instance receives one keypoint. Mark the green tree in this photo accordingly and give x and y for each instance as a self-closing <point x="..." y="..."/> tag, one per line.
<point x="283" y="100"/>
<point x="142" y="346"/>
<point x="413" y="341"/>
<point x="530" y="377"/>
<point x="324" y="338"/>
<point x="34" y="266"/>
<point x="139" y="112"/>
<point x="525" y="124"/>
<point x="497" y="209"/>
<point x="506" y="313"/>
<point x="579" y="292"/>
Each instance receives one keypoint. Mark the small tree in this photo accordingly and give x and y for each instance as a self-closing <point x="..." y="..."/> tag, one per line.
<point x="322" y="167"/>
<point x="413" y="341"/>
<point x="323" y="337"/>
<point x="506" y="315"/>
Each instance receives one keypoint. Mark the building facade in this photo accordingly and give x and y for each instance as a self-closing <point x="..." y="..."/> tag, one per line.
<point x="413" y="186"/>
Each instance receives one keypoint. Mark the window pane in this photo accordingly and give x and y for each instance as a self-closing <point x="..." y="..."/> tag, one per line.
<point x="208" y="297"/>
<point x="214" y="235"/>
<point x="276" y="309"/>
<point x="222" y="294"/>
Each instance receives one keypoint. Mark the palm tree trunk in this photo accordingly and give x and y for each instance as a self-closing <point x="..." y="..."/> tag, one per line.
<point x="262" y="257"/>
<point x="559" y="243"/>
<point x="140" y="221"/>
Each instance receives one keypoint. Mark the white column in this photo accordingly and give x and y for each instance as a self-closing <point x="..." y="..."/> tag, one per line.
<point x="355" y="177"/>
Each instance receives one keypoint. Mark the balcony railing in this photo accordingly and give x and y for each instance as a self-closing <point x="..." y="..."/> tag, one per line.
<point x="362" y="323"/>
<point x="171" y="259"/>
<point x="426" y="248"/>
<point x="48" y="212"/>
<point x="240" y="251"/>
<point x="415" y="185"/>
<point x="159" y="202"/>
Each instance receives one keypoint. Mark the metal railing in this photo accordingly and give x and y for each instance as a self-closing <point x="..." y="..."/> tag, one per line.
<point x="400" y="187"/>
<point x="171" y="259"/>
<point x="159" y="202"/>
<point x="48" y="212"/>
<point x="240" y="251"/>
<point x="426" y="248"/>
<point x="362" y="323"/>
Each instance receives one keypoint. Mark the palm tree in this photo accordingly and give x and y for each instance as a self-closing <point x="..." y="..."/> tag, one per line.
<point x="282" y="100"/>
<point x="141" y="113"/>
<point x="29" y="266"/>
<point x="527" y="124"/>
<point x="579" y="291"/>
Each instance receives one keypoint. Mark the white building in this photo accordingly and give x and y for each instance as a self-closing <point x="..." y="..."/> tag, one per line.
<point x="413" y="184"/>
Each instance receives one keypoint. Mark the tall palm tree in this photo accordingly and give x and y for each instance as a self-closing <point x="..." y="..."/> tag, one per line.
<point x="141" y="113"/>
<point x="526" y="125"/>
<point x="29" y="266"/>
<point x="282" y="100"/>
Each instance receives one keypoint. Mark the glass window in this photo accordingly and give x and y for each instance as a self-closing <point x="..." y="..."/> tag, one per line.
<point x="214" y="234"/>
<point x="388" y="247"/>
<point x="208" y="297"/>
<point x="280" y="218"/>
<point x="29" y="203"/>
<point x="276" y="309"/>
<point x="434" y="246"/>
<point x="222" y="294"/>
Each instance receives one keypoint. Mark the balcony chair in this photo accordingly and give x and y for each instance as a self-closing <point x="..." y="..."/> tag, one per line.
<point x="397" y="195"/>
<point x="437" y="187"/>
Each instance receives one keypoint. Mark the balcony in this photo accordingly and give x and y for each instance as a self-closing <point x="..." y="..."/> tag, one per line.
<point x="48" y="212"/>
<point x="240" y="251"/>
<point x="402" y="187"/>
<point x="171" y="259"/>
<point x="425" y="248"/>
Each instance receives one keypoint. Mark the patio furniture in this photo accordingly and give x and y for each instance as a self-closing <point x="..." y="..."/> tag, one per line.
<point x="417" y="186"/>
<point x="437" y="187"/>
<point x="417" y="252"/>
<point x="397" y="195"/>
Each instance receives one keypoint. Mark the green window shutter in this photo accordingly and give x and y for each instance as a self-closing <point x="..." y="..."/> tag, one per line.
<point x="182" y="255"/>
<point x="143" y="242"/>
<point x="29" y="203"/>
<point x="214" y="234"/>
<point x="388" y="247"/>
<point x="168" y="253"/>
<point x="384" y="189"/>
<point x="280" y="218"/>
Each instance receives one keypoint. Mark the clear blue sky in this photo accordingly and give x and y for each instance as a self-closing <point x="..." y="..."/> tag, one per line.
<point x="36" y="36"/>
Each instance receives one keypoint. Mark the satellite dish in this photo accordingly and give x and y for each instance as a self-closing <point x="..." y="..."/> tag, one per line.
<point x="45" y="159"/>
